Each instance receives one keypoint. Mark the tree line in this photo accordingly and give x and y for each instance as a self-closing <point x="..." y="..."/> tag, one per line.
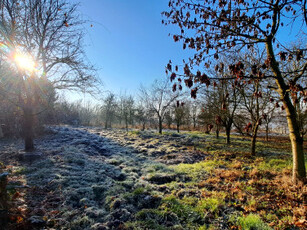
<point x="219" y="107"/>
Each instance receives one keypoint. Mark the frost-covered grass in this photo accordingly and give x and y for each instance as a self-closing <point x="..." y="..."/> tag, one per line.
<point x="134" y="180"/>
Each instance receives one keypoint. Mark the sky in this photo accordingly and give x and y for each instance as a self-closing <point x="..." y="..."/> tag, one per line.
<point x="128" y="43"/>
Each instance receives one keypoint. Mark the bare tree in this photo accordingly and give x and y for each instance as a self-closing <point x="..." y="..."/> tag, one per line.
<point x="169" y="118"/>
<point x="255" y="100"/>
<point x="108" y="110"/>
<point x="86" y="112"/>
<point x="127" y="110"/>
<point x="194" y="110"/>
<point x="206" y="116"/>
<point x="268" y="117"/>
<point x="223" y="100"/>
<point x="158" y="99"/>
<point x="180" y="112"/>
<point x="141" y="114"/>
<point x="50" y="32"/>
<point x="256" y="96"/>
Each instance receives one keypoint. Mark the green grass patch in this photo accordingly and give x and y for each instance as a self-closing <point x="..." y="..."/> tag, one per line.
<point x="210" y="204"/>
<point x="148" y="224"/>
<point x="135" y="132"/>
<point x="187" y="214"/>
<point x="198" y="170"/>
<point x="275" y="164"/>
<point x="252" y="222"/>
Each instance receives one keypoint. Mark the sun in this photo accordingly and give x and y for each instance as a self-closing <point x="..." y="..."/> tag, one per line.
<point x="24" y="61"/>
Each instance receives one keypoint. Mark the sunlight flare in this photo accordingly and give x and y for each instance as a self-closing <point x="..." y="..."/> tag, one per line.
<point x="24" y="61"/>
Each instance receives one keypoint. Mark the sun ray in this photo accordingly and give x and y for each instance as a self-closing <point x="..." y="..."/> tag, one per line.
<point x="24" y="61"/>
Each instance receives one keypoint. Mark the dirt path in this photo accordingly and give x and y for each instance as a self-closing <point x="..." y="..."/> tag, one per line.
<point x="81" y="178"/>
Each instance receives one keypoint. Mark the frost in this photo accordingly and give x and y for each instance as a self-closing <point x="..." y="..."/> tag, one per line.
<point x="86" y="177"/>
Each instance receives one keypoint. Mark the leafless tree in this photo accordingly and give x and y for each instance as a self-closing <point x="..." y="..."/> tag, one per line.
<point x="109" y="109"/>
<point x="159" y="98"/>
<point x="256" y="96"/>
<point x="180" y="112"/>
<point x="127" y="110"/>
<point x="268" y="117"/>
<point x="169" y="118"/>
<point x="194" y="110"/>
<point x="51" y="32"/>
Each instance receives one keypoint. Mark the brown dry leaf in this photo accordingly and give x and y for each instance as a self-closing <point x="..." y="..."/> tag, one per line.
<point x="301" y="223"/>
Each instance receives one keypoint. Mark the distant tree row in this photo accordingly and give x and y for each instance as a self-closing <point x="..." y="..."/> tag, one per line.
<point x="218" y="108"/>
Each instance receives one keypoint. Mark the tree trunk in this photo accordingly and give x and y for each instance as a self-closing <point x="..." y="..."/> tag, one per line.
<point x="4" y="200"/>
<point x="126" y="122"/>
<point x="178" y="128"/>
<point x="160" y="125"/>
<point x="254" y="139"/>
<point x="217" y="133"/>
<point x="299" y="170"/>
<point x="28" y="131"/>
<point x="106" y="124"/>
<point x="143" y="128"/>
<point x="267" y="132"/>
<point x="253" y="144"/>
<point x="1" y="132"/>
<point x="228" y="134"/>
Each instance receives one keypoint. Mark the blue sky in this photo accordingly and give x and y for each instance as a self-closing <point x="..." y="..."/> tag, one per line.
<point x="127" y="43"/>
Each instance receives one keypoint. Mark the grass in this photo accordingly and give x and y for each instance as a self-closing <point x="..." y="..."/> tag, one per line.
<point x="252" y="222"/>
<point x="211" y="204"/>
<point x="275" y="164"/>
<point x="197" y="170"/>
<point x="230" y="178"/>
<point x="134" y="132"/>
<point x="229" y="188"/>
<point x="187" y="213"/>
